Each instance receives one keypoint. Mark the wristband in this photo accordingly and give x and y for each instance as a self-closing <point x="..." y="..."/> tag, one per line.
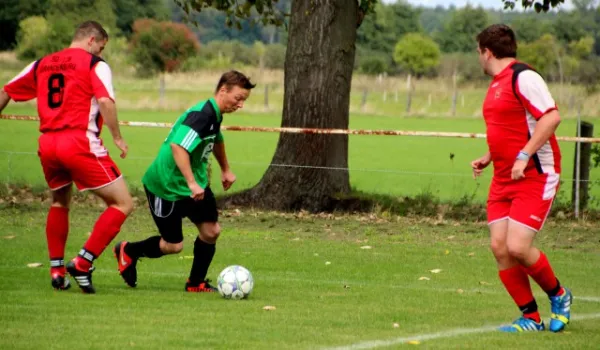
<point x="523" y="156"/>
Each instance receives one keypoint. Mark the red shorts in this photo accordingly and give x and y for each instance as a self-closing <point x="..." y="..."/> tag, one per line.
<point x="76" y="156"/>
<point x="526" y="201"/>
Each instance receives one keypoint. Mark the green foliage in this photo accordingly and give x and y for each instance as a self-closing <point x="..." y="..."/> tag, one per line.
<point x="263" y="11"/>
<point x="542" y="54"/>
<point x="538" y="6"/>
<point x="14" y="11"/>
<point x="129" y="10"/>
<point x="530" y="29"/>
<point x="381" y="30"/>
<point x="569" y="26"/>
<point x="460" y="31"/>
<point x="373" y="65"/>
<point x="582" y="48"/>
<point x="32" y="38"/>
<point x="417" y="53"/>
<point x="161" y="46"/>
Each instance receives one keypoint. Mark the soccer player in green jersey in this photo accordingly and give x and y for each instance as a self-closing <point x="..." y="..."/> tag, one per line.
<point x="176" y="185"/>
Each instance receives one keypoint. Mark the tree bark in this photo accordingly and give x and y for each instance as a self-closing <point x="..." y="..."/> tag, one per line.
<point x="318" y="75"/>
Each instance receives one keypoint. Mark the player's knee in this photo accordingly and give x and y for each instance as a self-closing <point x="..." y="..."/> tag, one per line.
<point x="517" y="251"/>
<point x="499" y="248"/>
<point x="210" y="232"/>
<point x="124" y="203"/>
<point x="172" y="248"/>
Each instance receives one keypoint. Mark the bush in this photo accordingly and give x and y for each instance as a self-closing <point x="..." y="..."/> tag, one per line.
<point x="31" y="39"/>
<point x="161" y="46"/>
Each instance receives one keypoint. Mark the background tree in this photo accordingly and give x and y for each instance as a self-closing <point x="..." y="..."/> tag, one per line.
<point x="129" y="10"/>
<point x="12" y="12"/>
<point x="417" y="54"/>
<point x="161" y="47"/>
<point x="460" y="31"/>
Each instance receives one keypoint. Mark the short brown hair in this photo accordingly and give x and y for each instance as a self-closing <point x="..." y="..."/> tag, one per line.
<point x="89" y="28"/>
<point x="499" y="39"/>
<point x="235" y="78"/>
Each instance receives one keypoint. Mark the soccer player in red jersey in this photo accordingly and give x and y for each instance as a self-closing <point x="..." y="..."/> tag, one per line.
<point x="521" y="117"/>
<point x="75" y="97"/>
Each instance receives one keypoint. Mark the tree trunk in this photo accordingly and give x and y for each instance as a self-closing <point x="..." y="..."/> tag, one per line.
<point x="318" y="76"/>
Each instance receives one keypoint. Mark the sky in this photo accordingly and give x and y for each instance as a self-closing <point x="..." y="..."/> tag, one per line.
<point x="492" y="4"/>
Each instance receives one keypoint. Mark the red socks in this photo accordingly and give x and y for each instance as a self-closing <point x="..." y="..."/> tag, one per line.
<point x="517" y="284"/>
<point x="105" y="230"/>
<point x="57" y="230"/>
<point x="542" y="274"/>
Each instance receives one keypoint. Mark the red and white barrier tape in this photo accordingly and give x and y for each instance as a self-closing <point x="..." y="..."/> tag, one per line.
<point x="324" y="131"/>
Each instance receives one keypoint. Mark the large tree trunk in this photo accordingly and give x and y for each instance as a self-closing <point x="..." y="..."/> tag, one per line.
<point x="318" y="76"/>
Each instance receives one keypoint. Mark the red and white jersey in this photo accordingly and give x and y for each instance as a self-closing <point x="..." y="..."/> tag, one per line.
<point x="67" y="85"/>
<point x="510" y="122"/>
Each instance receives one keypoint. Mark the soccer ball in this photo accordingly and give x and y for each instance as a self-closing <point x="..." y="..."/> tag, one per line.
<point x="235" y="282"/>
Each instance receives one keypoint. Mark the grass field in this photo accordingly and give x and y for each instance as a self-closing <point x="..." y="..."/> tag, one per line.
<point x="399" y="166"/>
<point x="356" y="298"/>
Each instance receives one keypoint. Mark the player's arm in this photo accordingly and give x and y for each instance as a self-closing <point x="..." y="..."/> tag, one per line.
<point x="538" y="101"/>
<point x="545" y="128"/>
<point x="4" y="100"/>
<point x="227" y="177"/>
<point x="182" y="159"/>
<point x="20" y="88"/>
<point x="184" y="141"/>
<point x="101" y="78"/>
<point x="219" y="152"/>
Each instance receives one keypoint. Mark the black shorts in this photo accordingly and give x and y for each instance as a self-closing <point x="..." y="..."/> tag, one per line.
<point x="168" y="215"/>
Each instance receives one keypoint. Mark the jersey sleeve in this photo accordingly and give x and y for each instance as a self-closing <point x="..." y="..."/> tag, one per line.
<point x="188" y="133"/>
<point x="23" y="86"/>
<point x="534" y="94"/>
<point x="101" y="77"/>
<point x="219" y="138"/>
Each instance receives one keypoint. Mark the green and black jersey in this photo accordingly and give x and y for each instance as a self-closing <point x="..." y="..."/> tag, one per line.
<point x="197" y="130"/>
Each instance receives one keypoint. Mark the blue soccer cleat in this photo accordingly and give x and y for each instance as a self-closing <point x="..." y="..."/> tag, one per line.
<point x="523" y="324"/>
<point x="561" y="311"/>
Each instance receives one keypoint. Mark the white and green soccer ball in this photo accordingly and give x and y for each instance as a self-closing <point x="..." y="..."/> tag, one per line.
<point x="235" y="282"/>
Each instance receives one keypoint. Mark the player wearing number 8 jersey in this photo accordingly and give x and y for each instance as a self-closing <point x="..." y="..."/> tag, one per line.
<point x="521" y="118"/>
<point x="177" y="185"/>
<point x="75" y="98"/>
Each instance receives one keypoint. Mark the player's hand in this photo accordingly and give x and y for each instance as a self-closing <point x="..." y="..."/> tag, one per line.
<point x="197" y="191"/>
<point x="227" y="179"/>
<point x="120" y="143"/>
<point x="479" y="164"/>
<point x="518" y="170"/>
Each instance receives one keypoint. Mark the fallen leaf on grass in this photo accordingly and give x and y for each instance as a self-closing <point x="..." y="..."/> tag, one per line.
<point x="269" y="308"/>
<point x="424" y="278"/>
<point x="435" y="270"/>
<point x="395" y="325"/>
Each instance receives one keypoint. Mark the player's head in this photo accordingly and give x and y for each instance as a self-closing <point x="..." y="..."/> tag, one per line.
<point x="91" y="36"/>
<point x="232" y="90"/>
<point x="494" y="43"/>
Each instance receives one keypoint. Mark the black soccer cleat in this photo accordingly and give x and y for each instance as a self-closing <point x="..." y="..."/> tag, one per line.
<point x="83" y="278"/>
<point x="60" y="282"/>
<point x="127" y="264"/>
